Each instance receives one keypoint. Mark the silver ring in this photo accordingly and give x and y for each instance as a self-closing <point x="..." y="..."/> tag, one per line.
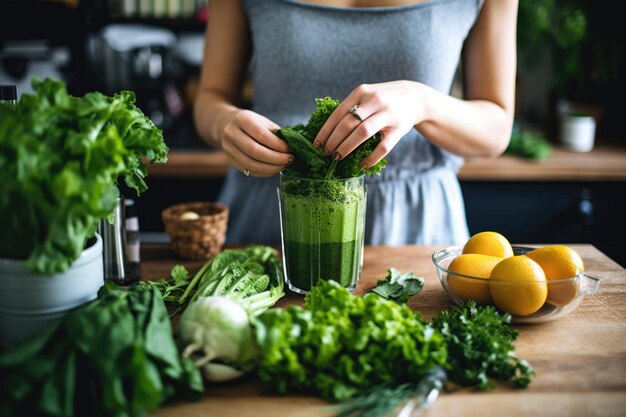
<point x="354" y="111"/>
<point x="246" y="172"/>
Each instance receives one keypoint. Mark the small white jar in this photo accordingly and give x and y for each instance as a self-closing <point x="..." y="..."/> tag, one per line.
<point x="578" y="132"/>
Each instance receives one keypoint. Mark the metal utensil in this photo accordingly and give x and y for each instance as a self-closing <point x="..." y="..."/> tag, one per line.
<point x="427" y="392"/>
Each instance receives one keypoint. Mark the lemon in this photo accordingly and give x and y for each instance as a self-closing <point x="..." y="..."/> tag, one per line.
<point x="489" y="243"/>
<point x="559" y="262"/>
<point x="518" y="285"/>
<point x="478" y="266"/>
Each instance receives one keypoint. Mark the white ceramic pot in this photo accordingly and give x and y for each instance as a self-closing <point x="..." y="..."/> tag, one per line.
<point x="30" y="301"/>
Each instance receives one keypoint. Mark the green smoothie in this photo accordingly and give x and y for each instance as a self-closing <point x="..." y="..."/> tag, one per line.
<point x="322" y="230"/>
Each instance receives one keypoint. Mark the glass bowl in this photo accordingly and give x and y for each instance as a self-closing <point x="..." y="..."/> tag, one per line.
<point x="564" y="295"/>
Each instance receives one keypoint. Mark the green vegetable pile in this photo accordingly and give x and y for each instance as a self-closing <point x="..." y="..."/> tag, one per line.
<point x="60" y="158"/>
<point x="339" y="345"/>
<point x="115" y="356"/>
<point x="311" y="162"/>
<point x="342" y="346"/>
<point x="217" y="303"/>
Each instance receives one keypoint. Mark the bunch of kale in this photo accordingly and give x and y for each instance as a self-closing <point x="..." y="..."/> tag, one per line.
<point x="311" y="162"/>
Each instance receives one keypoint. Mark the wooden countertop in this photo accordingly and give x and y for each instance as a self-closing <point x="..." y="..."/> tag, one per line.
<point x="604" y="163"/>
<point x="580" y="359"/>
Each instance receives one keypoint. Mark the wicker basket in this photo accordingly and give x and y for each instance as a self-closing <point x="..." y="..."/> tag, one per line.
<point x="200" y="238"/>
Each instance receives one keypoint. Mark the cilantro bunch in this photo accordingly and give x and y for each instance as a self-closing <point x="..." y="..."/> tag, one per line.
<point x="311" y="162"/>
<point x="60" y="159"/>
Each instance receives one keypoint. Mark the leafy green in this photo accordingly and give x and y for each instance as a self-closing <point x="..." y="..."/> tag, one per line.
<point x="339" y="344"/>
<point x="172" y="288"/>
<point x="311" y="162"/>
<point x="397" y="286"/>
<point x="527" y="144"/>
<point x="252" y="276"/>
<point x="113" y="356"/>
<point x="60" y="158"/>
<point x="382" y="399"/>
<point x="480" y="346"/>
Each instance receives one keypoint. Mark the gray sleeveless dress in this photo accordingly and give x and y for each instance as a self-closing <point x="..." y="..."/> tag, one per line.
<point x="304" y="51"/>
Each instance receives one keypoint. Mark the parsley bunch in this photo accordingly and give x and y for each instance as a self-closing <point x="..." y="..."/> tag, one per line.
<point x="480" y="347"/>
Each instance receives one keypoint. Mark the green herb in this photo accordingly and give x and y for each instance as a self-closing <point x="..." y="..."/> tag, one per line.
<point x="172" y="288"/>
<point x="60" y="158"/>
<point x="397" y="286"/>
<point x="311" y="162"/>
<point x="387" y="397"/>
<point x="114" y="356"/>
<point x="527" y="144"/>
<point x="480" y="347"/>
<point x="339" y="345"/>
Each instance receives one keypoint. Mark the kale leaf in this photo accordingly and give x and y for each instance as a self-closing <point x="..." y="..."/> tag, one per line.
<point x="311" y="162"/>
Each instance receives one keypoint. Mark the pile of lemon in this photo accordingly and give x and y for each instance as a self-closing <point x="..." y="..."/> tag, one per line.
<point x="516" y="284"/>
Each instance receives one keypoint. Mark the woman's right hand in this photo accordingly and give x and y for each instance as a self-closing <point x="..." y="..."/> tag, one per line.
<point x="251" y="146"/>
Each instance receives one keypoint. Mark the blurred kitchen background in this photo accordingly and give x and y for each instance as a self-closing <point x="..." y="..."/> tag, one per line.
<point x="570" y="61"/>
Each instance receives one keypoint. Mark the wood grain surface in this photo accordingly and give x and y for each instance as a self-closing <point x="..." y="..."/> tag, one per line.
<point x="580" y="359"/>
<point x="604" y="163"/>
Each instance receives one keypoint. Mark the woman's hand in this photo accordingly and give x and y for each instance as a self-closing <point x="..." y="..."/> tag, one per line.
<point x="251" y="147"/>
<point x="391" y="108"/>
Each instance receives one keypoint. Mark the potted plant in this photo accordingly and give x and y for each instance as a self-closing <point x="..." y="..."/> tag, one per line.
<point x="60" y="159"/>
<point x="550" y="39"/>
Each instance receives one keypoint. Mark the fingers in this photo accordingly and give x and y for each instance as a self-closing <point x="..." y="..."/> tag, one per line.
<point x="357" y="118"/>
<point x="339" y="115"/>
<point x="251" y="146"/>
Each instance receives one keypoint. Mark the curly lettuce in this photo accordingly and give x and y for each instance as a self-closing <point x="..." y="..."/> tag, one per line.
<point x="339" y="345"/>
<point x="60" y="158"/>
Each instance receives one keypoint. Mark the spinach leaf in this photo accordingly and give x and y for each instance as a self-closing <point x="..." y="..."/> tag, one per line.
<point x="397" y="286"/>
<point x="114" y="356"/>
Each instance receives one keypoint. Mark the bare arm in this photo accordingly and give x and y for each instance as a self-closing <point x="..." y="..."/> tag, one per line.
<point x="480" y="125"/>
<point x="245" y="136"/>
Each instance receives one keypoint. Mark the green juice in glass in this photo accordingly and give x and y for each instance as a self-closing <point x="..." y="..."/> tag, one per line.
<point x="322" y="227"/>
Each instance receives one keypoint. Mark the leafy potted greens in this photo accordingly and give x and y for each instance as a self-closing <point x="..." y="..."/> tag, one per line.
<point x="61" y="157"/>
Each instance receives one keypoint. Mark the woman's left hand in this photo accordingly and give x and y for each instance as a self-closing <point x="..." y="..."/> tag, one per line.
<point x="391" y="108"/>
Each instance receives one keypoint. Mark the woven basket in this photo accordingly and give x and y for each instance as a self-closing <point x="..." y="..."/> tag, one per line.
<point x="200" y="238"/>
